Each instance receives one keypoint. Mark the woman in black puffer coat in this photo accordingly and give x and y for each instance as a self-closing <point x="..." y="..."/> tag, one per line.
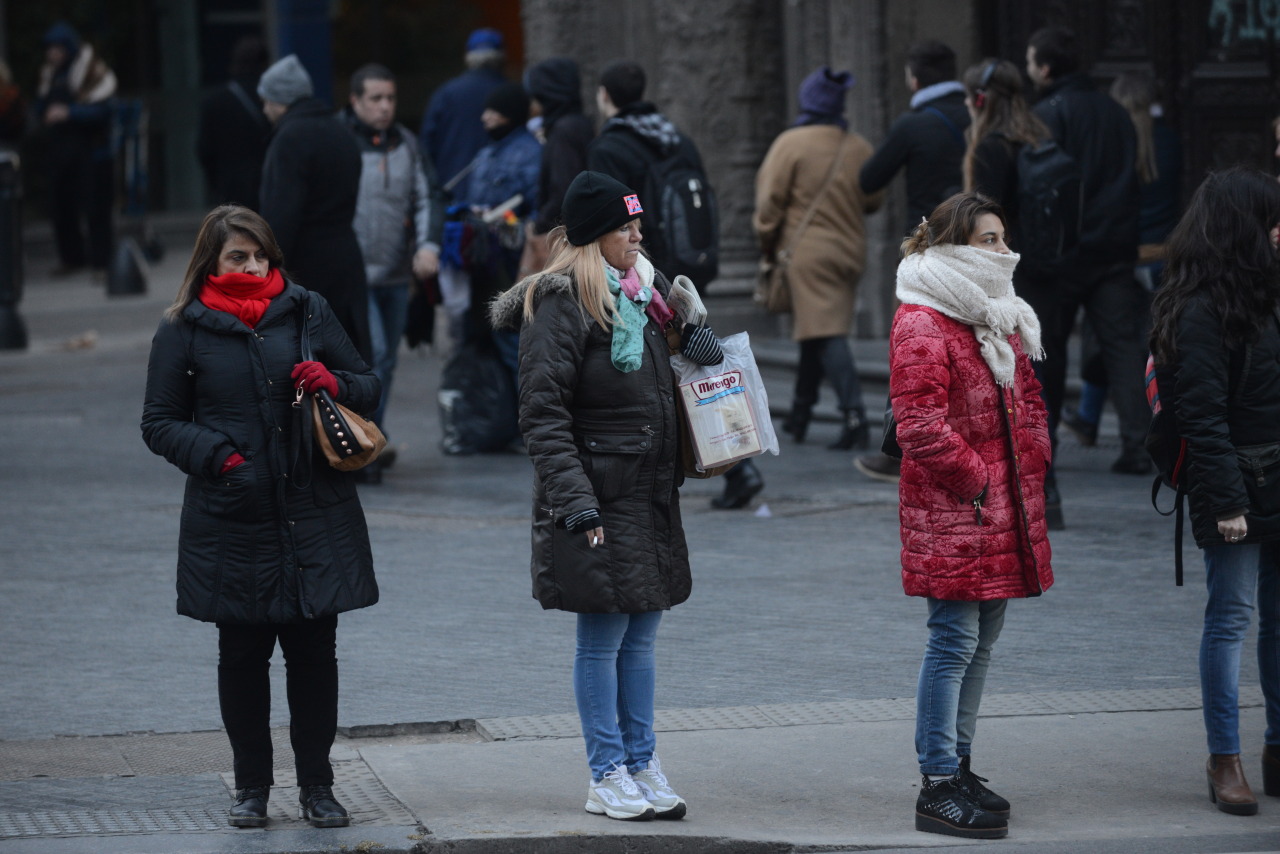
<point x="1216" y="323"/>
<point x="599" y="417"/>
<point x="265" y="552"/>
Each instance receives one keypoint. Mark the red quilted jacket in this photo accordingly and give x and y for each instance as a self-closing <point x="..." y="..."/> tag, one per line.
<point x="955" y="444"/>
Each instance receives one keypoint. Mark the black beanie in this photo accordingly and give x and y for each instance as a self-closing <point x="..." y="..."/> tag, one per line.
<point x="595" y="205"/>
<point x="511" y="101"/>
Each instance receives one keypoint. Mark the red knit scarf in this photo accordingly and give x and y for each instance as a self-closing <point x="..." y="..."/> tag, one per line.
<point x="241" y="294"/>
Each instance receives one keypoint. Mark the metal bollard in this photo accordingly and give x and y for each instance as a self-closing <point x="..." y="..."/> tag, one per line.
<point x="127" y="273"/>
<point x="13" y="332"/>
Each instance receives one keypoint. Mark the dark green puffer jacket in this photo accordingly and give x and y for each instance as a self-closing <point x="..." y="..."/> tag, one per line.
<point x="598" y="438"/>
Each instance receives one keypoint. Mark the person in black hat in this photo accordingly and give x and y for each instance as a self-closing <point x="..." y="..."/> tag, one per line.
<point x="598" y="415"/>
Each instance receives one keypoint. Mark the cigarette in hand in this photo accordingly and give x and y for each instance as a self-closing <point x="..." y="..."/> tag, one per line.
<point x="595" y="540"/>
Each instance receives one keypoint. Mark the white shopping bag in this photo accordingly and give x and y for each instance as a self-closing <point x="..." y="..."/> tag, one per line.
<point x="725" y="406"/>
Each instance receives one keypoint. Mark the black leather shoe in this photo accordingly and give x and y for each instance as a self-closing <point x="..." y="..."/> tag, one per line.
<point x="741" y="484"/>
<point x="855" y="434"/>
<point x="321" y="808"/>
<point x="881" y="467"/>
<point x="1085" y="431"/>
<point x="944" y="807"/>
<point x="971" y="783"/>
<point x="1132" y="461"/>
<point x="250" y="808"/>
<point x="797" y="421"/>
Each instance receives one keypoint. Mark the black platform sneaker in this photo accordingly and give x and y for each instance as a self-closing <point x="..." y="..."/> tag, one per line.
<point x="944" y="807"/>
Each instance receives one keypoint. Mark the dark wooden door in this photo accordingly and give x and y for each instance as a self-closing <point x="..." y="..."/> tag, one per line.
<point x="1216" y="61"/>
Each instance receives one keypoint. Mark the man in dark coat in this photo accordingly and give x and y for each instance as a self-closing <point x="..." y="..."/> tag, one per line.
<point x="310" y="185"/>
<point x="233" y="135"/>
<point x="451" y="132"/>
<point x="1098" y="133"/>
<point x="929" y="141"/>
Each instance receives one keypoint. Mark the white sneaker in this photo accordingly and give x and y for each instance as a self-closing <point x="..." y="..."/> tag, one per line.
<point x="657" y="791"/>
<point x="617" y="796"/>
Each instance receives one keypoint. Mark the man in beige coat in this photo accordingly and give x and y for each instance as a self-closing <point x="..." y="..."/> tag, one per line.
<point x="809" y="221"/>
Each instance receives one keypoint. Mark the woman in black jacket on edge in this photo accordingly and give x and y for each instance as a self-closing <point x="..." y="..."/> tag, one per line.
<point x="260" y="554"/>
<point x="1216" y="324"/>
<point x="600" y="421"/>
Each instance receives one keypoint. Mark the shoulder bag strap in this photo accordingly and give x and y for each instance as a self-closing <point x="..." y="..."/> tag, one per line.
<point x="951" y="126"/>
<point x="785" y="254"/>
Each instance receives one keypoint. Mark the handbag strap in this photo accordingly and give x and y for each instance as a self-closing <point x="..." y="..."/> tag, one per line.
<point x="813" y="205"/>
<point x="301" y="433"/>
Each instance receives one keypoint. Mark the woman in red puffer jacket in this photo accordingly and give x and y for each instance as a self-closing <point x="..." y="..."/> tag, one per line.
<point x="975" y="446"/>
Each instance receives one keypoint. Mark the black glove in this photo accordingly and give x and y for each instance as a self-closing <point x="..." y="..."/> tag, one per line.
<point x="582" y="521"/>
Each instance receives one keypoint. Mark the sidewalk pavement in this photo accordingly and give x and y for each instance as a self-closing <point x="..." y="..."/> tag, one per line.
<point x="801" y="778"/>
<point x="1094" y="770"/>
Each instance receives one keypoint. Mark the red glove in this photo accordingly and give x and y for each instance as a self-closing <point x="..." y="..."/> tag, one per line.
<point x="232" y="461"/>
<point x="313" y="377"/>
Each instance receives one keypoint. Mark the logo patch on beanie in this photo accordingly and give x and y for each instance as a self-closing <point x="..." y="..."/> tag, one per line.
<point x="633" y="204"/>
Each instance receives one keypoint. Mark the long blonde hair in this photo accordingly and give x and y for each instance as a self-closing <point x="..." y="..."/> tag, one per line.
<point x="584" y="265"/>
<point x="994" y="86"/>
<point x="1135" y="90"/>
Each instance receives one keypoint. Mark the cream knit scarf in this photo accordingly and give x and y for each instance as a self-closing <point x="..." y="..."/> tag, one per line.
<point x="975" y="287"/>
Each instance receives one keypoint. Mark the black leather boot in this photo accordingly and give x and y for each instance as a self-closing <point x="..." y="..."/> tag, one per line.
<point x="321" y="808"/>
<point x="797" y="421"/>
<point x="855" y="433"/>
<point x="741" y="483"/>
<point x="250" y="808"/>
<point x="1271" y="770"/>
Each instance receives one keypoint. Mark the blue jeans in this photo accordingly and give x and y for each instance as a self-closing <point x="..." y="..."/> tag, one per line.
<point x="952" y="675"/>
<point x="613" y="678"/>
<point x="388" y="313"/>
<point x="1237" y="576"/>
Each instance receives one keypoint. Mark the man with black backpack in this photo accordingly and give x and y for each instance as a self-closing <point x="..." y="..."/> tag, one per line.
<point x="1098" y="134"/>
<point x="641" y="148"/>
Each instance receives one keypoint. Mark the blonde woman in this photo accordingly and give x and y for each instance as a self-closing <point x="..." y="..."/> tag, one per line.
<point x="600" y="423"/>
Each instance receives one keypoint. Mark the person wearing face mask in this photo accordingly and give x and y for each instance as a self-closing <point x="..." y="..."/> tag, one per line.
<point x="975" y="448"/>
<point x="272" y="546"/>
<point x="601" y="425"/>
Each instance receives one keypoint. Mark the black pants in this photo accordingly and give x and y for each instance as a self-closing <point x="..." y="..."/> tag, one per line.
<point x="1118" y="309"/>
<point x="828" y="358"/>
<point x="82" y="189"/>
<point x="311" y="681"/>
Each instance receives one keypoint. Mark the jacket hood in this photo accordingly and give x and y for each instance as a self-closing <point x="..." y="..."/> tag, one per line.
<point x="506" y="311"/>
<point x="63" y="34"/>
<point x="557" y="85"/>
<point x="644" y="120"/>
<point x="1076" y="81"/>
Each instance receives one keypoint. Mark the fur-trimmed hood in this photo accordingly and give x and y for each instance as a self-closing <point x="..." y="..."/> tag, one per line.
<point x="506" y="310"/>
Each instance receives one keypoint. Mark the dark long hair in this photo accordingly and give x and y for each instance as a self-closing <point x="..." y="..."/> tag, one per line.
<point x="219" y="224"/>
<point x="1222" y="249"/>
<point x="994" y="87"/>
<point x="952" y="222"/>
